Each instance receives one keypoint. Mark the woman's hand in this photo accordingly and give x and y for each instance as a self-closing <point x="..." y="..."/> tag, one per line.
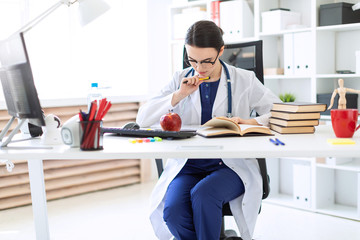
<point x="188" y="86"/>
<point x="244" y="121"/>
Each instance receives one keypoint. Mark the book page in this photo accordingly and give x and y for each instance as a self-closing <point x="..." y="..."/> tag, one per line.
<point x="245" y="128"/>
<point x="222" y="122"/>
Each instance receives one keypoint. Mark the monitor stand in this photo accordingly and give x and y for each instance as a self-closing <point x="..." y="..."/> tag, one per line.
<point x="12" y="134"/>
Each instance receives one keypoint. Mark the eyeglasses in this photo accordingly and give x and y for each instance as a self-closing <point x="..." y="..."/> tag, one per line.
<point x="204" y="63"/>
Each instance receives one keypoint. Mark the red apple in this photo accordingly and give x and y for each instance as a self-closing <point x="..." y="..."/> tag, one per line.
<point x="170" y="122"/>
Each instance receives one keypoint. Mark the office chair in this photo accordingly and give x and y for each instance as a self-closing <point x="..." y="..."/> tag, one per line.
<point x="247" y="56"/>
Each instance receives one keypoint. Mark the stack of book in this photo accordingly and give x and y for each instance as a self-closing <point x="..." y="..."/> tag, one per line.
<point x="295" y="117"/>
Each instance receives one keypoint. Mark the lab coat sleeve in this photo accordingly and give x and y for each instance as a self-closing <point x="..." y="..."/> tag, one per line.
<point x="150" y="113"/>
<point x="262" y="99"/>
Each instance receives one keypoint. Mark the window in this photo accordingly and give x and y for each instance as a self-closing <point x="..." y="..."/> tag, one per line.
<point x="65" y="58"/>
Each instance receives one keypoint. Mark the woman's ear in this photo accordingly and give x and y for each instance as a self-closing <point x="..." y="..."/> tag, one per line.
<point x="221" y="51"/>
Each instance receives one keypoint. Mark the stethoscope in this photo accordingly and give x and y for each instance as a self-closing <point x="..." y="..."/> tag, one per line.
<point x="229" y="114"/>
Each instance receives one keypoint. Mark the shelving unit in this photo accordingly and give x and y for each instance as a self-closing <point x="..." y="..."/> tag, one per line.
<point x="329" y="48"/>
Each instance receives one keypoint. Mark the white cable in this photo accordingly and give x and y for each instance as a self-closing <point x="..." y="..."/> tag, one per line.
<point x="9" y="164"/>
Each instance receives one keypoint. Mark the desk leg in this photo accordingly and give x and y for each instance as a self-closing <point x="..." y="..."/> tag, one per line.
<point x="38" y="197"/>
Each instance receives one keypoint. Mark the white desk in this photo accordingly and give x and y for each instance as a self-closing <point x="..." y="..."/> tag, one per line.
<point x="297" y="145"/>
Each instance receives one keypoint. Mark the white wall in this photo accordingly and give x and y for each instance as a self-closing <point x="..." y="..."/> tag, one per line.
<point x="158" y="44"/>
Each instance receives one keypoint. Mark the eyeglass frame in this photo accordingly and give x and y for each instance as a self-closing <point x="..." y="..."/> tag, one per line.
<point x="193" y="61"/>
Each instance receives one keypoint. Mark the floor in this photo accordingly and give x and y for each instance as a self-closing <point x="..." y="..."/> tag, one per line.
<point x="122" y="213"/>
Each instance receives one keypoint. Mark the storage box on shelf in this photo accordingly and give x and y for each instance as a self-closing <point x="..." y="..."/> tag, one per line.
<point x="337" y="13"/>
<point x="279" y="19"/>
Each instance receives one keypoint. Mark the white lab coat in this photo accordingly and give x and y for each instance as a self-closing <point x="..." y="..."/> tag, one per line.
<point x="247" y="94"/>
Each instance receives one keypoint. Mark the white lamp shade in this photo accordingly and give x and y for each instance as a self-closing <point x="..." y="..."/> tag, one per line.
<point x="91" y="9"/>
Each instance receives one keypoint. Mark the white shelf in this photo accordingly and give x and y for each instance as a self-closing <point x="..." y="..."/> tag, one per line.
<point x="268" y="77"/>
<point x="353" y="166"/>
<point x="340" y="210"/>
<point x="284" y="200"/>
<point x="338" y="76"/>
<point x="340" y="27"/>
<point x="189" y="4"/>
<point x="247" y="39"/>
<point x="277" y="34"/>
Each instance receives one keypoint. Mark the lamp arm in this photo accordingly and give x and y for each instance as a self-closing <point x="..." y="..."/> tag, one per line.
<point x="38" y="19"/>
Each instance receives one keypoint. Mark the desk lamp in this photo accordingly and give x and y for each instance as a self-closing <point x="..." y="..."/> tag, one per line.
<point x="88" y="10"/>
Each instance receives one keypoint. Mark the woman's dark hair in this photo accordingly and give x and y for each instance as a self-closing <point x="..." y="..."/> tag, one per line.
<point x="205" y="34"/>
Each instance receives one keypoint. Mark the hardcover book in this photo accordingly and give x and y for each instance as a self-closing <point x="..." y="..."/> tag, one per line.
<point x="287" y="130"/>
<point x="295" y="116"/>
<point x="294" y="123"/>
<point x="299" y="107"/>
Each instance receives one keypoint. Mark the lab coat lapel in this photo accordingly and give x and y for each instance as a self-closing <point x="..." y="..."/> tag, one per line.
<point x="221" y="97"/>
<point x="195" y="100"/>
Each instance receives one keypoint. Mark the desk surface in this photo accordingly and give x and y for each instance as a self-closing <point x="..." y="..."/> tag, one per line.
<point x="297" y="145"/>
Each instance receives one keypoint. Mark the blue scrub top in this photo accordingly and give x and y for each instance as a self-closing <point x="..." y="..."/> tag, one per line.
<point x="208" y="92"/>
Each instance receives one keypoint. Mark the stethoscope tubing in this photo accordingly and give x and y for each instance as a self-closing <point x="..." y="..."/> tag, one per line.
<point x="229" y="114"/>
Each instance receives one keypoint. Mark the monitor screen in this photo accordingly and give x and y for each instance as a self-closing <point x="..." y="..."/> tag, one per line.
<point x="17" y="81"/>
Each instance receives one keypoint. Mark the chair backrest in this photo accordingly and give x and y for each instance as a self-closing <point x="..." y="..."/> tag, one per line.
<point x="247" y="55"/>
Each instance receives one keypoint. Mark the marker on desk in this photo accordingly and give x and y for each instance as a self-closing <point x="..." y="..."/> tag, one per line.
<point x="280" y="142"/>
<point x="273" y="141"/>
<point x="200" y="79"/>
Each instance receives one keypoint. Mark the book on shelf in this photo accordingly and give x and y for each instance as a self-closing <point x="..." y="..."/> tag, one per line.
<point x="222" y="126"/>
<point x="299" y="107"/>
<point x="295" y="116"/>
<point x="294" y="123"/>
<point x="288" y="130"/>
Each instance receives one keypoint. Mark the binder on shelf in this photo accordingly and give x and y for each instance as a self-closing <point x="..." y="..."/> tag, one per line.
<point x="215" y="12"/>
<point x="288" y="42"/>
<point x="236" y="20"/>
<point x="297" y="57"/>
<point x="302" y="185"/>
<point x="302" y="49"/>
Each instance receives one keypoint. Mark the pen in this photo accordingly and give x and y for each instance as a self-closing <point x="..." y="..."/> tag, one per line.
<point x="280" y="142"/>
<point x="273" y="141"/>
<point x="200" y="79"/>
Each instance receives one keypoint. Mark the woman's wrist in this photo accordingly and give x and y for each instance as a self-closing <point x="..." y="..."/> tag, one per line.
<point x="176" y="98"/>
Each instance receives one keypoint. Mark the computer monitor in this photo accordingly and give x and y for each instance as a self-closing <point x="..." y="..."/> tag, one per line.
<point x="246" y="55"/>
<point x="18" y="84"/>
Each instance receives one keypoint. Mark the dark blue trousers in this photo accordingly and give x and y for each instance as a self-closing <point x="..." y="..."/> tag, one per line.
<point x="193" y="203"/>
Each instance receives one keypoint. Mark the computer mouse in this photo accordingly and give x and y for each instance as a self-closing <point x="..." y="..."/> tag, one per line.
<point x="131" y="125"/>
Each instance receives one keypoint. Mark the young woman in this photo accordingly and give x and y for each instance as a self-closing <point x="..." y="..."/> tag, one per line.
<point x="188" y="198"/>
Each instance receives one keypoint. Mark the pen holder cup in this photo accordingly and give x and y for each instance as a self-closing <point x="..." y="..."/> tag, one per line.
<point x="91" y="135"/>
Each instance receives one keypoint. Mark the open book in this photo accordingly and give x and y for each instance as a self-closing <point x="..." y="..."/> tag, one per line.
<point x="222" y="126"/>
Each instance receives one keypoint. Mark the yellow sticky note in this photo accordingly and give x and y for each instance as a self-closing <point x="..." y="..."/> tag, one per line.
<point x="340" y="141"/>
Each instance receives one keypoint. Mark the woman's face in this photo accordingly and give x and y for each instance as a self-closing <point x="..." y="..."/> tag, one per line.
<point x="204" y="60"/>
